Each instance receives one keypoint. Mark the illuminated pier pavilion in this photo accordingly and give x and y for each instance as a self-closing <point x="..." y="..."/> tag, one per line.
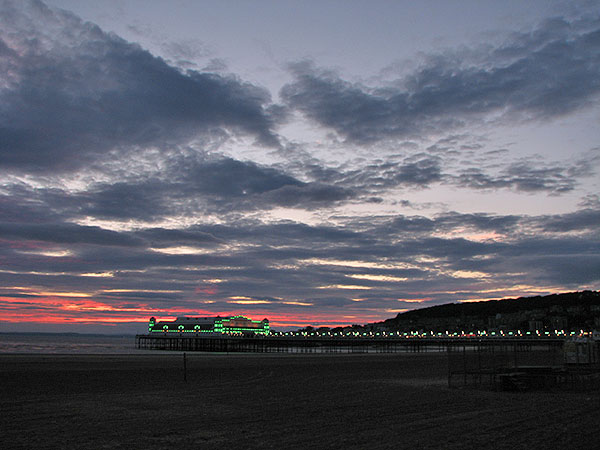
<point x="235" y="325"/>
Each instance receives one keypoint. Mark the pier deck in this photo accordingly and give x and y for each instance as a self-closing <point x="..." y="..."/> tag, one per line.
<point x="318" y="344"/>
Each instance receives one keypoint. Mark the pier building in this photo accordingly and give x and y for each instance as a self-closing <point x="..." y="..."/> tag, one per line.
<point x="210" y="325"/>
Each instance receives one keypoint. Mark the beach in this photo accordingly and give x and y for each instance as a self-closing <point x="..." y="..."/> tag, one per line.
<point x="252" y="401"/>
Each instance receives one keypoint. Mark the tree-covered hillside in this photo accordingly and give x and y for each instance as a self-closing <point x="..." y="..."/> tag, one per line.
<point x="568" y="311"/>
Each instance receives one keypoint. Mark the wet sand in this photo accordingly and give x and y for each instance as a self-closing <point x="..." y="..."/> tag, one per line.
<point x="236" y="401"/>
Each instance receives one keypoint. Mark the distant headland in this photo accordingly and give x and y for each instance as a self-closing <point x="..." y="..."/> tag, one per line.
<point x="566" y="312"/>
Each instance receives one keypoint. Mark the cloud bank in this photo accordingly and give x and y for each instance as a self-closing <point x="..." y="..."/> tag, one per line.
<point x="451" y="90"/>
<point x="72" y="93"/>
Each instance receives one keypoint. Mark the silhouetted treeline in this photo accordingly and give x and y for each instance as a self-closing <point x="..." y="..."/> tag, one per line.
<point x="567" y="311"/>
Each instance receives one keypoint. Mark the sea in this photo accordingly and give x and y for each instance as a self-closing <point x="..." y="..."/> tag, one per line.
<point x="68" y="343"/>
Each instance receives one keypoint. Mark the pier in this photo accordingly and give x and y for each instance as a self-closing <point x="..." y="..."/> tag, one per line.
<point x="320" y="344"/>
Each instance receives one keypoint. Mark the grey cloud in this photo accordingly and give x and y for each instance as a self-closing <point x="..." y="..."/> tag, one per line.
<point x="283" y="234"/>
<point x="565" y="246"/>
<point x="590" y="201"/>
<point x="548" y="73"/>
<point x="21" y="205"/>
<point x="64" y="233"/>
<point x="76" y="92"/>
<point x="308" y="195"/>
<point x="189" y="187"/>
<point x="332" y="301"/>
<point x="521" y="176"/>
<point x="237" y="185"/>
<point x="448" y="248"/>
<point x="128" y="296"/>
<point x="412" y="224"/>
<point x="422" y="172"/>
<point x="146" y="200"/>
<point x="586" y="219"/>
<point x="230" y="178"/>
<point x="483" y="222"/>
<point x="419" y="170"/>
<point x="447" y="222"/>
<point x="204" y="186"/>
<point x="572" y="270"/>
<point x="161" y="237"/>
<point x="564" y="261"/>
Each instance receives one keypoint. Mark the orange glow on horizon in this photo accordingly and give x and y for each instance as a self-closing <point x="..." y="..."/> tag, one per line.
<point x="69" y="310"/>
<point x="41" y="306"/>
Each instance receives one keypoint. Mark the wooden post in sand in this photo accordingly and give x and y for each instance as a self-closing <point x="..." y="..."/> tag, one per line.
<point x="184" y="368"/>
<point x="464" y="365"/>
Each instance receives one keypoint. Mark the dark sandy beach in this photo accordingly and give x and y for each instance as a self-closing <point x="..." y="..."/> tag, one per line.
<point x="367" y="401"/>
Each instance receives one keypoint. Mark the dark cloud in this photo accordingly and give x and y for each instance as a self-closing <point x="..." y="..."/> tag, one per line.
<point x="547" y="73"/>
<point x="64" y="233"/>
<point x="448" y="248"/>
<point x="188" y="187"/>
<point x="73" y="92"/>
<point x="572" y="270"/>
<point x="590" y="201"/>
<point x="586" y="219"/>
<point x="564" y="260"/>
<point x="287" y="233"/>
<point x="141" y="295"/>
<point x="144" y="199"/>
<point x="420" y="173"/>
<point x="308" y="195"/>
<point x="230" y="178"/>
<point x="416" y="171"/>
<point x="416" y="224"/>
<point x="479" y="221"/>
<point x="448" y="222"/>
<point x="222" y="185"/>
<point x="482" y="172"/>
<point x="161" y="237"/>
<point x="524" y="176"/>
<point x="20" y="204"/>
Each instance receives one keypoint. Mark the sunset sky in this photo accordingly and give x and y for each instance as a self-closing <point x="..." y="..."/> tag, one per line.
<point x="312" y="162"/>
